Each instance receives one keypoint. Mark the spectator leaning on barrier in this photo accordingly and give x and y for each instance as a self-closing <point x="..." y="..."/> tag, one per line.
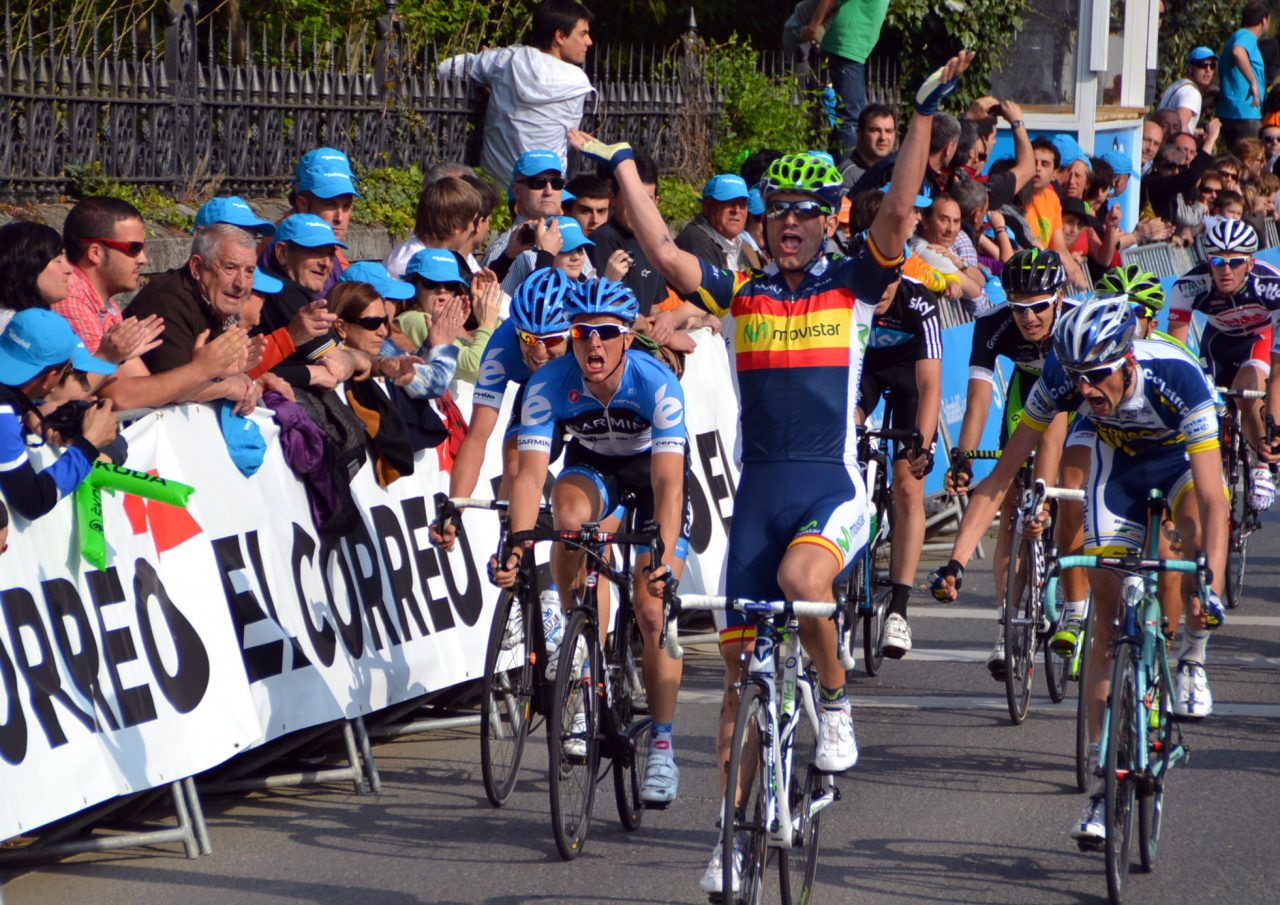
<point x="716" y="234"/>
<point x="940" y="227"/>
<point x="877" y="138"/>
<point x="536" y="92"/>
<point x="537" y="186"/>
<point x="37" y="352"/>
<point x="447" y="216"/>
<point x="1186" y="96"/>
<point x="1242" y="76"/>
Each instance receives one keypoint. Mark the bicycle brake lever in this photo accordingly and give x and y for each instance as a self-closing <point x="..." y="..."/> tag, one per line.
<point x="669" y="639"/>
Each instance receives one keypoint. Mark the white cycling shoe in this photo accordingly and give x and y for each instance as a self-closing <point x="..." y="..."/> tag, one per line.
<point x="661" y="778"/>
<point x="575" y="742"/>
<point x="897" y="636"/>
<point x="837" y="749"/>
<point x="995" y="661"/>
<point x="1262" y="488"/>
<point x="1192" y="699"/>
<point x="712" y="881"/>
<point x="1090" y="831"/>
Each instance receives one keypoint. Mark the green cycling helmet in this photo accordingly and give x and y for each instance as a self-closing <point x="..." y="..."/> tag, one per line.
<point x="806" y="173"/>
<point x="1137" y="284"/>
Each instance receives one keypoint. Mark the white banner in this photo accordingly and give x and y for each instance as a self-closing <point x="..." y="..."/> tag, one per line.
<point x="231" y="623"/>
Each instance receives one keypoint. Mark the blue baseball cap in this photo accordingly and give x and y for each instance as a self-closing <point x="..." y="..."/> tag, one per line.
<point x="726" y="187"/>
<point x="380" y="279"/>
<point x="531" y="163"/>
<point x="923" y="197"/>
<point x="1069" y="150"/>
<point x="435" y="265"/>
<point x="38" y="338"/>
<point x="1199" y="54"/>
<point x="567" y="197"/>
<point x="325" y="173"/>
<point x="234" y="210"/>
<point x="1119" y="162"/>
<point x="265" y="284"/>
<point x="307" y="230"/>
<point x="572" y="234"/>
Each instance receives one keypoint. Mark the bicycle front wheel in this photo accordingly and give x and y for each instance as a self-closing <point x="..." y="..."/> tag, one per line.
<point x="1121" y="773"/>
<point x="745" y="800"/>
<point x="1057" y="669"/>
<point x="1242" y="518"/>
<point x="1082" y="716"/>
<point x="506" y="696"/>
<point x="628" y="769"/>
<point x="573" y="742"/>
<point x="1020" y="623"/>
<point x="798" y="866"/>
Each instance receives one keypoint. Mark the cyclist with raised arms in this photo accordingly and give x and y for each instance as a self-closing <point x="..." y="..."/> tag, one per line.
<point x="1238" y="299"/>
<point x="1155" y="426"/>
<point x="904" y="366"/>
<point x="1020" y="330"/>
<point x="624" y="411"/>
<point x="799" y="331"/>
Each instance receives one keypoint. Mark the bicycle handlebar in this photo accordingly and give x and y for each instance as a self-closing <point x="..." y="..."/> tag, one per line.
<point x="1240" y="394"/>
<point x="760" y="609"/>
<point x="1132" y="563"/>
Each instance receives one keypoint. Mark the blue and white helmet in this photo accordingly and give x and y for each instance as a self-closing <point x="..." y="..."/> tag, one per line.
<point x="538" y="307"/>
<point x="601" y="296"/>
<point x="1230" y="235"/>
<point x="1097" y="332"/>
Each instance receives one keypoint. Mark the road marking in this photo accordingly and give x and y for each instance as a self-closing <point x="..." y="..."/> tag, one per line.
<point x="976" y="612"/>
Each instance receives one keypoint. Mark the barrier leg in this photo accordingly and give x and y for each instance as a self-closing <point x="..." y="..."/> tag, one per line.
<point x="197" y="816"/>
<point x="353" y="757"/>
<point x="366" y="752"/>
<point x="184" y="820"/>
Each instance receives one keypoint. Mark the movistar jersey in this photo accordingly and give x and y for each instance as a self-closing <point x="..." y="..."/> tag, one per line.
<point x="1171" y="403"/>
<point x="646" y="414"/>
<point x="798" y="355"/>
<point x="502" y="363"/>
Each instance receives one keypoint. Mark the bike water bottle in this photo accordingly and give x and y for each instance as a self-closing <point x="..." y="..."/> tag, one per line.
<point x="552" y="627"/>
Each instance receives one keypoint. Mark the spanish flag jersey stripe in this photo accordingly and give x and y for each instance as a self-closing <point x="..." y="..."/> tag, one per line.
<point x="837" y="357"/>
<point x="839" y="299"/>
<point x="880" y="257"/>
<point x="819" y="541"/>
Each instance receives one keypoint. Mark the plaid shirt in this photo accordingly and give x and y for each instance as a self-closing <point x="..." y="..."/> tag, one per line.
<point x="87" y="313"/>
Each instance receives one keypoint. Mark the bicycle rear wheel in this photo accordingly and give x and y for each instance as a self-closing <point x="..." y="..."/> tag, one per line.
<point x="1123" y="738"/>
<point x="873" y="630"/>
<point x="798" y="866"/>
<point x="1020" y="622"/>
<point x="1159" y="736"/>
<point x="1082" y="721"/>
<point x="745" y="783"/>
<point x="506" y="701"/>
<point x="628" y="768"/>
<point x="573" y="742"/>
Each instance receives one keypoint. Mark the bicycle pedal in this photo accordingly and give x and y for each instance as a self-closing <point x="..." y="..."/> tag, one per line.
<point x="655" y="805"/>
<point x="893" y="653"/>
<point x="1091" y="845"/>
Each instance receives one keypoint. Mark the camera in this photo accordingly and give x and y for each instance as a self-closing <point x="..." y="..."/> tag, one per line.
<point x="527" y="233"/>
<point x="68" y="418"/>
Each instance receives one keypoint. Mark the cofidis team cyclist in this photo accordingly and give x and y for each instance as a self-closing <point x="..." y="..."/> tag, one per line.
<point x="800" y="328"/>
<point x="1155" y="426"/>
<point x="1238" y="300"/>
<point x="624" y="412"/>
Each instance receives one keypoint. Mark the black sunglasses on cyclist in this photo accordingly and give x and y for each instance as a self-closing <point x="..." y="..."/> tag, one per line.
<point x="370" y="323"/>
<point x="1094" y="376"/>
<point x="538" y="183"/>
<point x="1039" y="307"/>
<point x="1233" y="263"/>
<point x="806" y="209"/>
<point x="603" y="332"/>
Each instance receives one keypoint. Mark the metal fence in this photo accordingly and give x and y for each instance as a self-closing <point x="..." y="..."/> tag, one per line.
<point x="165" y="99"/>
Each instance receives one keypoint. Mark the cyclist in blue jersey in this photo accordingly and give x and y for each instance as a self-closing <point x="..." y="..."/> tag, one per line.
<point x="536" y="332"/>
<point x="1155" y="425"/>
<point x="800" y="328"/>
<point x="624" y="411"/>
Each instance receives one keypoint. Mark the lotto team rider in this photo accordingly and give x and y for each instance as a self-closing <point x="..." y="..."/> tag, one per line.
<point x="799" y="333"/>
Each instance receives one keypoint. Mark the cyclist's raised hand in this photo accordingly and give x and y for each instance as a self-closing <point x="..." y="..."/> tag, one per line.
<point x="945" y="581"/>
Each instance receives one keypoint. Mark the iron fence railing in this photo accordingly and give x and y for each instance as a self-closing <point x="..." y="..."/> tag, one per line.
<point x="163" y="99"/>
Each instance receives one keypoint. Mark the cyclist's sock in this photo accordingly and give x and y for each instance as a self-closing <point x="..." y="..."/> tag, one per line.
<point x="898" y="602"/>
<point x="663" y="737"/>
<point x="1073" y="609"/>
<point x="832" y="698"/>
<point x="1193" y="647"/>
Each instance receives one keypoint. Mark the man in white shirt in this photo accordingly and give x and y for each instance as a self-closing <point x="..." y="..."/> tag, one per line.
<point x="1186" y="95"/>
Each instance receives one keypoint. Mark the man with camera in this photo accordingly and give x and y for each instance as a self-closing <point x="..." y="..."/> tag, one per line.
<point x="38" y="353"/>
<point x="537" y="186"/>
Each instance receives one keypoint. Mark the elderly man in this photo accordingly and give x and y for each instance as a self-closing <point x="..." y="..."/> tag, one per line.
<point x="1152" y="138"/>
<point x="1186" y="96"/>
<point x="537" y="187"/>
<point x="716" y="234"/>
<point x="941" y="228"/>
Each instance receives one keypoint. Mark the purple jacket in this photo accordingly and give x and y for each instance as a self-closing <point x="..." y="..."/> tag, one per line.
<point x="305" y="448"/>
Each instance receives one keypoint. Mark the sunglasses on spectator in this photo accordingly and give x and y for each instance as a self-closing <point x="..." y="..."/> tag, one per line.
<point x="370" y="323"/>
<point x="538" y="183"/>
<point x="1272" y="138"/>
<point x="1229" y="174"/>
<point x="1233" y="263"/>
<point x="550" y="340"/>
<point x="1210" y="189"/>
<point x="603" y="332"/>
<point x="1094" y="376"/>
<point x="804" y="210"/>
<point x="1039" y="307"/>
<point x="1206" y="64"/>
<point x="132" y="249"/>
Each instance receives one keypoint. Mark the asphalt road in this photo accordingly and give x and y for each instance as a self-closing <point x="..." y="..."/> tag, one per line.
<point x="949" y="803"/>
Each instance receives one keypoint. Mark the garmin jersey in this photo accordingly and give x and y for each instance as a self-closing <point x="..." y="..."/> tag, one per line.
<point x="995" y="334"/>
<point x="502" y="363"/>
<point x="909" y="331"/>
<point x="1246" y="313"/>
<point x="1171" y="403"/>
<point x="798" y="355"/>
<point x="646" y="414"/>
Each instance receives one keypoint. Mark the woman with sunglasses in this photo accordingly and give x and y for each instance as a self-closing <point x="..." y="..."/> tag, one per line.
<point x="1239" y="296"/>
<point x="1156" y="427"/>
<point x="625" y="414"/>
